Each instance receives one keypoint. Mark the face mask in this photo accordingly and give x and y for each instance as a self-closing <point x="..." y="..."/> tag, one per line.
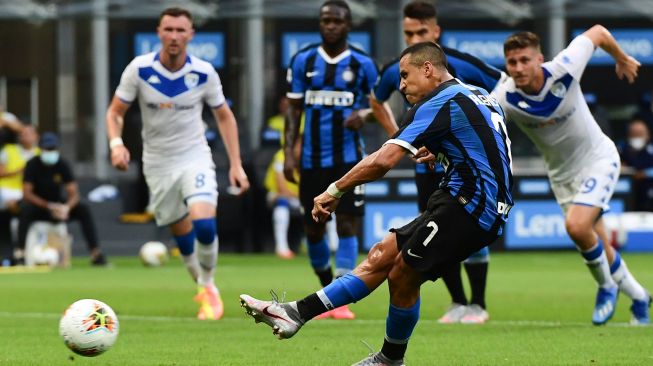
<point x="49" y="157"/>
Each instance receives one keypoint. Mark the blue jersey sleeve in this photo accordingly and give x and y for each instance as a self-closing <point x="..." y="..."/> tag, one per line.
<point x="388" y="82"/>
<point x="471" y="70"/>
<point x="295" y="77"/>
<point x="420" y="125"/>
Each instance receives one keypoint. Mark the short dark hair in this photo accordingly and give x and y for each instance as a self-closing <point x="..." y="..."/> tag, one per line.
<point x="176" y="12"/>
<point x="426" y="51"/>
<point x="521" y="40"/>
<point x="420" y="10"/>
<point x="339" y="3"/>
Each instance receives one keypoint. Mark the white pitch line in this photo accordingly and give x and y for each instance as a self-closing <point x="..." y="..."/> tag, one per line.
<point x="512" y="323"/>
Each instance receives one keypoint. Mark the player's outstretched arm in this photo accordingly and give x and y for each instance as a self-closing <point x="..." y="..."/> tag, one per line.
<point x="291" y="132"/>
<point x="626" y="66"/>
<point x="371" y="168"/>
<point x="115" y="119"/>
<point x="383" y="114"/>
<point x="228" y="128"/>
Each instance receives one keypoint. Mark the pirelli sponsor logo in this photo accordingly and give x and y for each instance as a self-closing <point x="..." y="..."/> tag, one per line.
<point x="329" y="98"/>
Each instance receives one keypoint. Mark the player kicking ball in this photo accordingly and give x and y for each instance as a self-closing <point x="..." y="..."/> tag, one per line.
<point x="545" y="100"/>
<point x="465" y="128"/>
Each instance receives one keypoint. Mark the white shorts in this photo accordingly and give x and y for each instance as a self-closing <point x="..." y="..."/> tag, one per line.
<point x="171" y="194"/>
<point x="593" y="186"/>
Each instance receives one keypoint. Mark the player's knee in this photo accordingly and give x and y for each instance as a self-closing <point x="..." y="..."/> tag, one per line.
<point x="382" y="255"/>
<point x="314" y="233"/>
<point x="205" y="230"/>
<point x="577" y="228"/>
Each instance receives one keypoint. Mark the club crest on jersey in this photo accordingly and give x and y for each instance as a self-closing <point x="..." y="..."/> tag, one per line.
<point x="558" y="89"/>
<point x="191" y="80"/>
<point x="347" y="75"/>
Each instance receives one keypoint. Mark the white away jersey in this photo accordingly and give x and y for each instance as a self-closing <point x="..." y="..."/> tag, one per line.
<point x="171" y="106"/>
<point x="557" y="119"/>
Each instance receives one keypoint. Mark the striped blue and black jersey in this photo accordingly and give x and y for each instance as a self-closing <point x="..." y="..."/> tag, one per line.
<point x="331" y="88"/>
<point x="464" y="127"/>
<point x="463" y="66"/>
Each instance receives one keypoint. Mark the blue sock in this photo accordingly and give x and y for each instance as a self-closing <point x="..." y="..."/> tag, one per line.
<point x="400" y="322"/>
<point x="186" y="243"/>
<point x="319" y="254"/>
<point x="616" y="263"/>
<point x="593" y="253"/>
<point x="344" y="290"/>
<point x="206" y="230"/>
<point x="281" y="201"/>
<point x="346" y="255"/>
<point x="398" y="327"/>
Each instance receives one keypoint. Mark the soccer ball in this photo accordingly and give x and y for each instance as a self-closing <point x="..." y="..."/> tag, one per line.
<point x="89" y="327"/>
<point x="153" y="253"/>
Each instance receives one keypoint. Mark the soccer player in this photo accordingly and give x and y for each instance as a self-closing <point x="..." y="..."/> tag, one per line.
<point x="330" y="82"/>
<point x="464" y="127"/>
<point x="172" y="87"/>
<point x="545" y="100"/>
<point x="420" y="25"/>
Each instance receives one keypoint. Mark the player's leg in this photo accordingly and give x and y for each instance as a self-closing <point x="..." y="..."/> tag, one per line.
<point x="579" y="223"/>
<point x="170" y="210"/>
<point x="403" y="313"/>
<point x="427" y="182"/>
<point x="199" y="189"/>
<point x="287" y="318"/>
<point x="312" y="184"/>
<point x="476" y="267"/>
<point x="626" y="281"/>
<point x="280" y="224"/>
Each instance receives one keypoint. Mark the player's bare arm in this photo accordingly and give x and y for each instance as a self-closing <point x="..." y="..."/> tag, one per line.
<point x="369" y="169"/>
<point x="626" y="66"/>
<point x="291" y="131"/>
<point x="228" y="128"/>
<point x="383" y="115"/>
<point x="115" y="120"/>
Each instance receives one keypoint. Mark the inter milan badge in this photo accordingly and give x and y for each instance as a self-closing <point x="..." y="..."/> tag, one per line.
<point x="347" y="75"/>
<point x="558" y="89"/>
<point x="191" y="80"/>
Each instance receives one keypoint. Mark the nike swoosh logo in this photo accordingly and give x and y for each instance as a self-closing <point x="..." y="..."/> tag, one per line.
<point x="413" y="254"/>
<point x="359" y="203"/>
<point x="266" y="312"/>
<point x="310" y="74"/>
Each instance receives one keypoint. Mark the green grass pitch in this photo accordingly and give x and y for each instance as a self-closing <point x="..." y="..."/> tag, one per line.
<point x="540" y="306"/>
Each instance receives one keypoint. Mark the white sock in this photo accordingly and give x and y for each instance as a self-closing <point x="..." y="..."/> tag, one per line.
<point x="207" y="256"/>
<point x="192" y="265"/>
<point x="281" y="221"/>
<point x="598" y="265"/>
<point x="332" y="233"/>
<point x="627" y="283"/>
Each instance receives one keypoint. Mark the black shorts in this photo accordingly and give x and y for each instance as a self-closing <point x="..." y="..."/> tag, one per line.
<point x="444" y="235"/>
<point x="314" y="182"/>
<point x="426" y="183"/>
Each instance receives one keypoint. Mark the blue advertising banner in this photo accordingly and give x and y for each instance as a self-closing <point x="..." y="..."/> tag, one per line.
<point x="635" y="42"/>
<point x="209" y="46"/>
<point x="292" y="42"/>
<point x="486" y="45"/>
<point x="537" y="224"/>
<point x="381" y="217"/>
